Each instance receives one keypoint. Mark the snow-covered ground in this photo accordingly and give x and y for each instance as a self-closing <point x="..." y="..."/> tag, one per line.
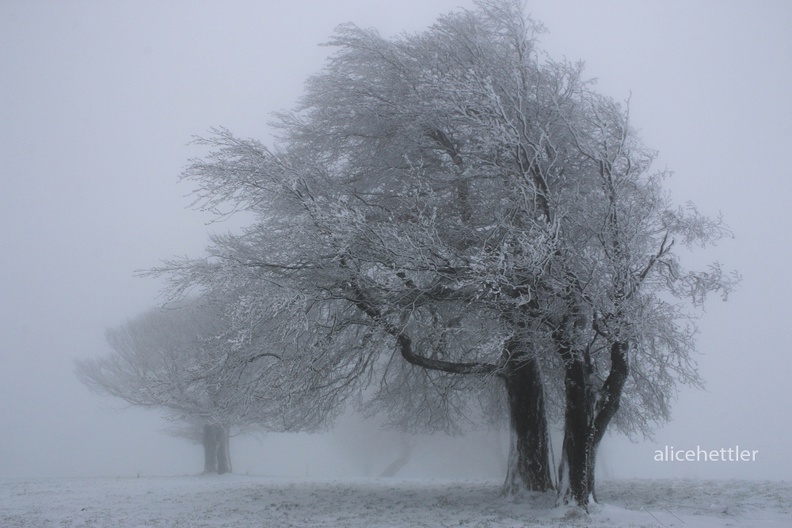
<point x="241" y="501"/>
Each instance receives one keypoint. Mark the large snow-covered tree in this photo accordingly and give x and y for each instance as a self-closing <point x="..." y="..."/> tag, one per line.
<point x="453" y="223"/>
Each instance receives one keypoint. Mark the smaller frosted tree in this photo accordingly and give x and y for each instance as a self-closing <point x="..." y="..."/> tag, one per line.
<point x="164" y="359"/>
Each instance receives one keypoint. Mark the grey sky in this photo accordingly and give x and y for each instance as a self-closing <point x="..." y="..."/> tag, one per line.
<point x="99" y="99"/>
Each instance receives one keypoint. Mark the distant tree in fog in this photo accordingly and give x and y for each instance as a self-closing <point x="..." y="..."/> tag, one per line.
<point x="160" y="360"/>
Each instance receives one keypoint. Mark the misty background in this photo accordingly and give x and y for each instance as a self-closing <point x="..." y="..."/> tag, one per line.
<point x="98" y="101"/>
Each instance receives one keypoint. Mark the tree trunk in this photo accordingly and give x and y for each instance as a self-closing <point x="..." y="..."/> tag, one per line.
<point x="586" y="418"/>
<point x="404" y="457"/>
<point x="607" y="404"/>
<point x="217" y="458"/>
<point x="210" y="449"/>
<point x="529" y="467"/>
<point x="591" y="468"/>
<point x="223" y="451"/>
<point x="576" y="483"/>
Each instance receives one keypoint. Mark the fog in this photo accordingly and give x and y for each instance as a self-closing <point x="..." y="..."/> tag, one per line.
<point x="98" y="101"/>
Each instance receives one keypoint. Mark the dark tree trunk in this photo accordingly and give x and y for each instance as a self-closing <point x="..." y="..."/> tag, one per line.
<point x="590" y="470"/>
<point x="575" y="481"/>
<point x="223" y="451"/>
<point x="607" y="404"/>
<point x="217" y="458"/>
<point x="529" y="466"/>
<point x="588" y="413"/>
<point x="210" y="449"/>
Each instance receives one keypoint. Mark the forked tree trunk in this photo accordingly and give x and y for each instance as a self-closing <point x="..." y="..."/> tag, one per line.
<point x="528" y="466"/>
<point x="588" y="413"/>
<point x="217" y="458"/>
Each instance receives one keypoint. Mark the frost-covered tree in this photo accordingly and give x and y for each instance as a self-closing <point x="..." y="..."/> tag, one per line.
<point x="452" y="228"/>
<point x="161" y="359"/>
<point x="615" y="297"/>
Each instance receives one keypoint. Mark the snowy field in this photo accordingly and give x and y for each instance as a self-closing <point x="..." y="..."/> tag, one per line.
<point x="240" y="501"/>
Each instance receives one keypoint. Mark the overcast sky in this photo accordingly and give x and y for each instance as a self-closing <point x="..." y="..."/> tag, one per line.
<point x="98" y="101"/>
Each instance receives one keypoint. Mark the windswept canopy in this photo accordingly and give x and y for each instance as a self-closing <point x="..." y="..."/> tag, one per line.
<point x="442" y="209"/>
